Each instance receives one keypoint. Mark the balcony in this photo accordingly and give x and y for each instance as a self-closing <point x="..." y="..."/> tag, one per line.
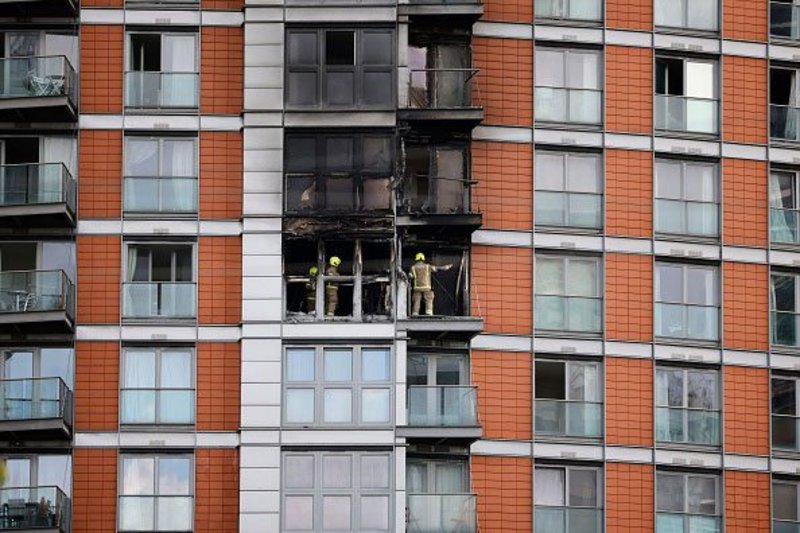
<point x="164" y="300"/>
<point x="683" y="114"/>
<point x="569" y="106"/>
<point x="461" y="12"/>
<point x="35" y="509"/>
<point x="36" y="301"/>
<point x="441" y="96"/>
<point x="161" y="196"/>
<point x="437" y="200"/>
<point x="687" y="426"/>
<point x="161" y="90"/>
<point x="784" y="20"/>
<point x="438" y="412"/>
<point x="563" y="418"/>
<point x="784" y="122"/>
<point x="38" y="89"/>
<point x="37" y="194"/>
<point x="441" y="513"/>
<point x="36" y="408"/>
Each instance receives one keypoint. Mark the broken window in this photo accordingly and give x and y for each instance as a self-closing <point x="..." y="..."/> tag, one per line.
<point x="686" y="95"/>
<point x="338" y="278"/>
<point x="338" y="173"/>
<point x="442" y="287"/>
<point x="440" y="74"/>
<point x="436" y="179"/>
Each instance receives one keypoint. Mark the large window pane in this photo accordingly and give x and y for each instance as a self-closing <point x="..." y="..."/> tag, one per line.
<point x="670" y="493"/>
<point x="300" y="406"/>
<point x="549" y="486"/>
<point x="338" y="406"/>
<point x="300" y="365"/>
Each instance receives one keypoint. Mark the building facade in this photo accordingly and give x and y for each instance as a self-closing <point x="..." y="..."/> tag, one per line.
<point x="426" y="266"/>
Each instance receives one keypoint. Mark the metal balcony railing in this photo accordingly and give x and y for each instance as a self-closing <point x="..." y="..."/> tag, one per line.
<point x="35" y="399"/>
<point x="37" y="184"/>
<point x="28" y="508"/>
<point x="30" y="291"/>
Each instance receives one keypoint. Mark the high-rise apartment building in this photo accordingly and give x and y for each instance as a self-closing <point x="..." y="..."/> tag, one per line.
<point x="425" y="266"/>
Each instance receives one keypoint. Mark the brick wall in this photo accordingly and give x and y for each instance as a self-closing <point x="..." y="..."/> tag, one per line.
<point x="629" y="193"/>
<point x="94" y="490"/>
<point x="629" y="14"/>
<point x="745" y="209"/>
<point x="216" y="491"/>
<point x="219" y="289"/>
<point x="629" y="401"/>
<point x="96" y="386"/>
<point x="501" y="288"/>
<point x="745" y="103"/>
<point x="503" y="486"/>
<point x="504" y="172"/>
<point x="629" y="89"/>
<point x="504" y="393"/>
<point x="747" y="508"/>
<point x="746" y="312"/>
<point x="101" y="68"/>
<point x="508" y="11"/>
<point x="629" y="297"/>
<point x="221" y="175"/>
<point x="229" y="5"/>
<point x="504" y="83"/>
<point x="100" y="172"/>
<point x="746" y="20"/>
<point x="746" y="408"/>
<point x="218" y="386"/>
<point x="629" y="498"/>
<point x="221" y="70"/>
<point x="98" y="285"/>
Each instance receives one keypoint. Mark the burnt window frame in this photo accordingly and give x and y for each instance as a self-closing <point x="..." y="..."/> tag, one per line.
<point x="431" y="145"/>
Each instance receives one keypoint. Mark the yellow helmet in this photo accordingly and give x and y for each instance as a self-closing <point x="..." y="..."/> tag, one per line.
<point x="313" y="271"/>
<point x="335" y="261"/>
<point x="420" y="256"/>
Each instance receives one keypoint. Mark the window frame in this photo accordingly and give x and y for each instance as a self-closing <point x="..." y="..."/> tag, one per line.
<point x="795" y="380"/>
<point x="685" y="514"/>
<point x="173" y="261"/>
<point x="776" y="204"/>
<point x="685" y="267"/>
<point x="774" y="311"/>
<point x="568" y="364"/>
<point x="563" y="9"/>
<point x="129" y="49"/>
<point x="567" y="192"/>
<point x="684" y="406"/>
<point x="795" y="484"/>
<point x="567" y="294"/>
<point x="684" y="165"/>
<point x="567" y="87"/>
<point x="565" y="494"/>
<point x="683" y="97"/>
<point x="684" y="8"/>
<point x="128" y="282"/>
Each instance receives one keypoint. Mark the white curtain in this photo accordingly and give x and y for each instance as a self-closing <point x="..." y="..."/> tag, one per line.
<point x="133" y="259"/>
<point x="781" y="227"/>
<point x="549" y="486"/>
<point x="178" y="53"/>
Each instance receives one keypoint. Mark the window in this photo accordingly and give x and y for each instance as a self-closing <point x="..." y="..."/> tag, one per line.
<point x="785" y="413"/>
<point x="567" y="499"/>
<point x="342" y="68"/>
<point x="339" y="173"/>
<point x="784" y="19"/>
<point x="785" y="308"/>
<point x="581" y="10"/>
<point x="436" y="179"/>
<point x="569" y="189"/>
<point x="687" y="502"/>
<point x="338" y="386"/>
<point x="785" y="504"/>
<point x="447" y="296"/>
<point x="686" y="198"/>
<point x="337" y="491"/>
<point x="159" y="281"/>
<point x="568" y="293"/>
<point x="439" y="391"/>
<point x="160" y="175"/>
<point x="440" y="73"/>
<point x="568" y="85"/>
<point x="784" y="99"/>
<point x="162" y="70"/>
<point x="358" y="288"/>
<point x="41" y="482"/>
<point x="784" y="223"/>
<point x="568" y="399"/>
<point x="687" y="301"/>
<point x="156" y="492"/>
<point x="157" y="386"/>
<point x="688" y="14"/>
<point x="36" y="383"/>
<point x="686" y="95"/>
<point x="438" y="495"/>
<point x="687" y="406"/>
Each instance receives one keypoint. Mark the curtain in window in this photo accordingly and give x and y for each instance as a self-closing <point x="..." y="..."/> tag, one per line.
<point x="179" y="162"/>
<point x="416" y="478"/>
<point x="792" y="118"/>
<point x="781" y="227"/>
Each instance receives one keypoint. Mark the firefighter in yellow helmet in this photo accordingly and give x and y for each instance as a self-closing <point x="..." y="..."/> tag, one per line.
<point x="332" y="288"/>
<point x="422" y="289"/>
<point x="311" y="290"/>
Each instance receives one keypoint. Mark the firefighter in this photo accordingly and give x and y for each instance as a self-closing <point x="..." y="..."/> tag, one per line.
<point x="422" y="274"/>
<point x="311" y="290"/>
<point x="332" y="288"/>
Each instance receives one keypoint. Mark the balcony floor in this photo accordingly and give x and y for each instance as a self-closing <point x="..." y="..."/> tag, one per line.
<point x="442" y="327"/>
<point x="36" y="322"/>
<point x="38" y="109"/>
<point x="37" y="216"/>
<point x="44" y="429"/>
<point x="435" y="433"/>
<point x="467" y="117"/>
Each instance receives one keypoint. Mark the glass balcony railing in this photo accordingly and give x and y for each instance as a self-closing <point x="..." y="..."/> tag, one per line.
<point x="784" y="20"/>
<point x="784" y="225"/>
<point x="784" y="122"/>
<point x="36" y="77"/>
<point x="687" y="523"/>
<point x="571" y="519"/>
<point x="435" y="195"/>
<point x="36" y="184"/>
<point x="687" y="426"/>
<point x="683" y="113"/>
<point x="29" y="508"/>
<point x="160" y="195"/>
<point x="35" y="399"/>
<point x="159" y="300"/>
<point x="156" y="513"/>
<point x="568" y="313"/>
<point x="441" y="513"/>
<point x="569" y="418"/>
<point x="576" y="106"/>
<point x="680" y="321"/>
<point x="440" y="88"/>
<point x="581" y="10"/>
<point x="161" y="90"/>
<point x="780" y="526"/>
<point x="681" y="217"/>
<point x="30" y="291"/>
<point x="785" y="432"/>
<point x="569" y="209"/>
<point x="442" y="406"/>
<point x="785" y="328"/>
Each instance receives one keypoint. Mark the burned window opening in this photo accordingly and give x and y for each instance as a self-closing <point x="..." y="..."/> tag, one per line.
<point x="435" y="178"/>
<point x="437" y="280"/>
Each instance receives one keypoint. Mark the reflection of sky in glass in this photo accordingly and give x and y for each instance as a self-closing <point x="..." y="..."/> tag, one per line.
<point x="138" y="475"/>
<point x="57" y="362"/>
<point x="173" y="475"/>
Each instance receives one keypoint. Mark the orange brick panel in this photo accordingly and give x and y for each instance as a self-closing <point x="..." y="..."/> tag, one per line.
<point x="222" y="70"/>
<point x="504" y="393"/>
<point x="99" y="265"/>
<point x="745" y="20"/>
<point x="101" y="68"/>
<point x="220" y="280"/>
<point x="629" y="401"/>
<point x="629" y="89"/>
<point x="218" y="386"/>
<point x="507" y="11"/>
<point x="747" y="502"/>
<point x="96" y="386"/>
<point x="744" y="114"/>
<point x="629" y="498"/>
<point x="221" y="175"/>
<point x="503" y="486"/>
<point x="746" y="299"/>
<point x="745" y="212"/>
<point x="504" y="84"/>
<point x="100" y="172"/>
<point x="228" y="5"/>
<point x="94" y="490"/>
<point x="746" y="405"/>
<point x="216" y="491"/>
<point x="629" y="14"/>
<point x="501" y="288"/>
<point x="629" y="297"/>
<point x="505" y="183"/>
<point x="629" y="193"/>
